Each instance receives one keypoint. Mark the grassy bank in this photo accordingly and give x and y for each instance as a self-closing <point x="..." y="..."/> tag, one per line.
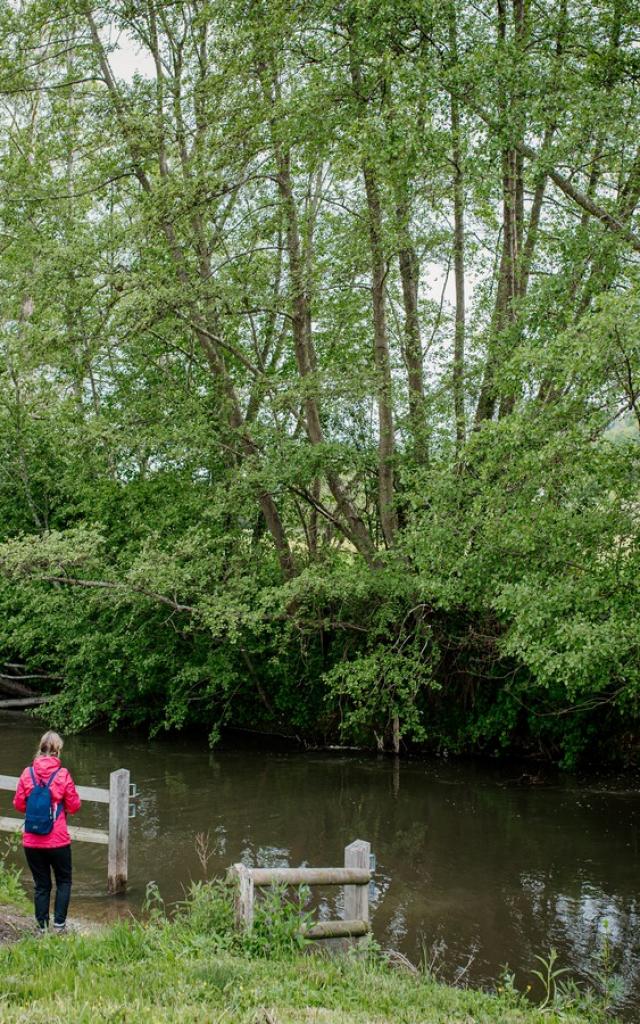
<point x="125" y="976"/>
<point x="195" y="968"/>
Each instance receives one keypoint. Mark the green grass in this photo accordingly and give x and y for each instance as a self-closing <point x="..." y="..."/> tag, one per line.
<point x="195" y="968"/>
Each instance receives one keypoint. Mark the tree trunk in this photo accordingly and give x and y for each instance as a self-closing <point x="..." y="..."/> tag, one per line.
<point x="386" y="441"/>
<point x="386" y="428"/>
<point x="512" y="233"/>
<point x="409" y="276"/>
<point x="458" y="248"/>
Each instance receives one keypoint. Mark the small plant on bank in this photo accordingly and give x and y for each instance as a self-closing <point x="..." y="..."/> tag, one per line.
<point x="11" y="890"/>
<point x="507" y="989"/>
<point x="207" y="911"/>
<point x="565" y="995"/>
<point x="549" y="975"/>
<point x="153" y="903"/>
<point x="431" y="959"/>
<point x="279" y="923"/>
<point x="609" y="985"/>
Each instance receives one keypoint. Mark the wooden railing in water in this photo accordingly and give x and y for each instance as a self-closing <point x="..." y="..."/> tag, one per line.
<point x="354" y="876"/>
<point x="119" y="796"/>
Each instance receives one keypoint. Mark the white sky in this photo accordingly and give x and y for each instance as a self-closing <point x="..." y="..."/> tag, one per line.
<point x="127" y="59"/>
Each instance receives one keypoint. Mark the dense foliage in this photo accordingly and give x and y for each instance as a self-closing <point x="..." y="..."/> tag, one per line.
<point x="320" y="368"/>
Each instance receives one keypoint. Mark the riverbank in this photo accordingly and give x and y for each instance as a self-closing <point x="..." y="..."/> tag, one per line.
<point x="195" y="967"/>
<point x="472" y="861"/>
<point x="136" y="973"/>
<point x="17" y="923"/>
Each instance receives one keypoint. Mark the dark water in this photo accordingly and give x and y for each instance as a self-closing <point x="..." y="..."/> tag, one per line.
<point x="470" y="864"/>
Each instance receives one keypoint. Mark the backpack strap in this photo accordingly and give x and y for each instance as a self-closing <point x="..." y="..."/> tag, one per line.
<point x="48" y="785"/>
<point x="33" y="776"/>
<point x="52" y="777"/>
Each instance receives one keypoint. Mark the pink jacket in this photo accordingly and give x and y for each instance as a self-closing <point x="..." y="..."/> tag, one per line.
<point x="63" y="791"/>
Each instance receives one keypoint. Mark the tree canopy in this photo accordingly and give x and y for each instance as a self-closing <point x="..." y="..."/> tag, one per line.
<point x="320" y="368"/>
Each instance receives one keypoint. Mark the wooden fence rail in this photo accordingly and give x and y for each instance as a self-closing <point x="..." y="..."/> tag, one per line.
<point x="118" y="796"/>
<point x="354" y="876"/>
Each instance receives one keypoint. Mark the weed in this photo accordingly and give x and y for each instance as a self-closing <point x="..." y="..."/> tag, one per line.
<point x="609" y="985"/>
<point x="204" y="850"/>
<point x="279" y="923"/>
<point x="11" y="890"/>
<point x="566" y="995"/>
<point x="208" y="911"/>
<point x="431" y="959"/>
<point x="153" y="903"/>
<point x="549" y="977"/>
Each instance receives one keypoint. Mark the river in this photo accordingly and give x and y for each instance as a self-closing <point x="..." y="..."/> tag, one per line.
<point x="477" y="867"/>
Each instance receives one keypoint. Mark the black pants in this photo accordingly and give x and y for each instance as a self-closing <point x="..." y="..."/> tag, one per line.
<point x="41" y="861"/>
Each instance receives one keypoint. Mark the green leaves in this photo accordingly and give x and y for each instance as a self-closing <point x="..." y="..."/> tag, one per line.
<point x="191" y="510"/>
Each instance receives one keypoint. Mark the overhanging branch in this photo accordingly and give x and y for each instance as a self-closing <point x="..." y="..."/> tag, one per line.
<point x="73" y="581"/>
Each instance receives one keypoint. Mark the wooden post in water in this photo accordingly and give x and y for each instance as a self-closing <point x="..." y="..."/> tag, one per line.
<point x="117" y="870"/>
<point x="356" y="897"/>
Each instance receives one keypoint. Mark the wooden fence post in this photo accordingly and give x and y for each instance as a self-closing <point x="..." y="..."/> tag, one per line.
<point x="243" y="898"/>
<point x="117" y="871"/>
<point x="356" y="897"/>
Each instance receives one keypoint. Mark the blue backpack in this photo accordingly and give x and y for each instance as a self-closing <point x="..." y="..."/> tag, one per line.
<point x="40" y="816"/>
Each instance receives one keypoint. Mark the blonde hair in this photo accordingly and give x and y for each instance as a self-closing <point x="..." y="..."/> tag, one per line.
<point x="50" y="743"/>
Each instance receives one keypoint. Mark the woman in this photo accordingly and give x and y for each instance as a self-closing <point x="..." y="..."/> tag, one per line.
<point x="52" y="849"/>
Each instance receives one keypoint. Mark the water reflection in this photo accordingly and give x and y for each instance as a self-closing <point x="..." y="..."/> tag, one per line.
<point x="472" y="870"/>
